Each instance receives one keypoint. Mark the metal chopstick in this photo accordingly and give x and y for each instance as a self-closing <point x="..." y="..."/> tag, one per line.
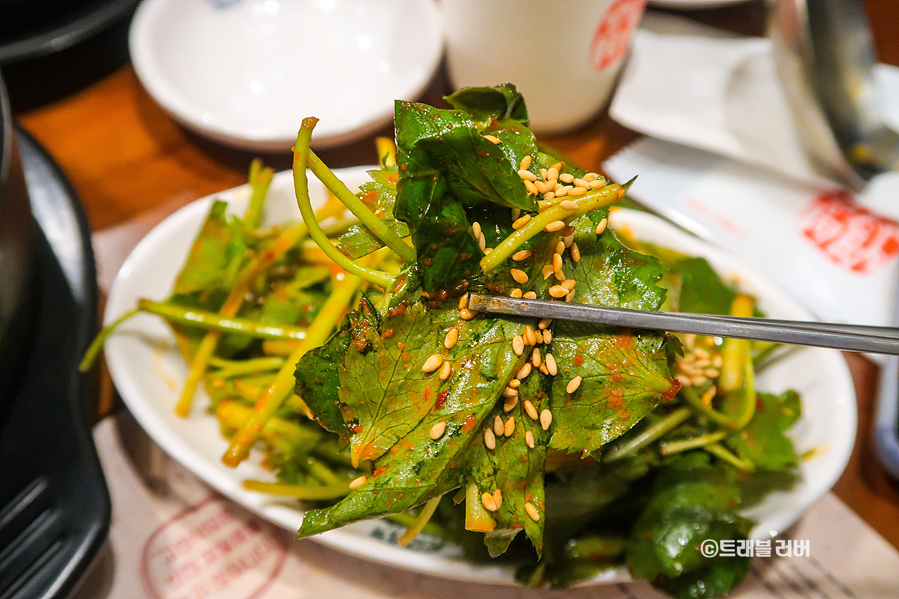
<point x="880" y="340"/>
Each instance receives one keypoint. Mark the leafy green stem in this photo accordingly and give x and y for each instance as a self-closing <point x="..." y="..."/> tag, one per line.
<point x="302" y="154"/>
<point x="355" y="205"/>
<point x="647" y="436"/>
<point x="260" y="180"/>
<point x="590" y="201"/>
<point x="718" y="450"/>
<point x="219" y="322"/>
<point x="301" y="492"/>
<point x="423" y="517"/>
<point x="97" y="344"/>
<point x="233" y="368"/>
<point x="681" y="445"/>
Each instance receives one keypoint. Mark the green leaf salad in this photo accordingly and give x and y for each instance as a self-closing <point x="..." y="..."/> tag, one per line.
<point x="563" y="448"/>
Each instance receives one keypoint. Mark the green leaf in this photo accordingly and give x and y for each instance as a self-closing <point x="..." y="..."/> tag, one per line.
<point x="701" y="289"/>
<point x="624" y="374"/>
<point x="484" y="103"/>
<point x="691" y="502"/>
<point x="216" y="256"/>
<point x="379" y="196"/>
<point x="416" y="468"/>
<point x="763" y="441"/>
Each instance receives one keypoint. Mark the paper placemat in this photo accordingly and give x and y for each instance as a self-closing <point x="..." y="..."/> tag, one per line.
<point x="174" y="538"/>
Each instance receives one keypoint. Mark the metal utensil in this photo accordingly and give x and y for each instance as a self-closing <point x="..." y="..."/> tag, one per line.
<point x="881" y="340"/>
<point x="825" y="59"/>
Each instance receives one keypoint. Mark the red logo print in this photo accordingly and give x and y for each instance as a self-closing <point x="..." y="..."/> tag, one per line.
<point x="613" y="34"/>
<point x="850" y="235"/>
<point x="212" y="551"/>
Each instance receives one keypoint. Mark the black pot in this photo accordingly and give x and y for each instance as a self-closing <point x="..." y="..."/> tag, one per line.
<point x="16" y="256"/>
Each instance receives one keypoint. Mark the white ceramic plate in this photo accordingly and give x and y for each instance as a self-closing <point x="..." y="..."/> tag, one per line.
<point x="692" y="4"/>
<point x="246" y="72"/>
<point x="148" y="372"/>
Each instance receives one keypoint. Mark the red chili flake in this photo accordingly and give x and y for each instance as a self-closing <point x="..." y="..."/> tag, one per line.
<point x="441" y="399"/>
<point x="398" y="310"/>
<point x="578" y="360"/>
<point x="392" y="178"/>
<point x="378" y="471"/>
<point x="356" y="429"/>
<point x="388" y="334"/>
<point x="469" y="423"/>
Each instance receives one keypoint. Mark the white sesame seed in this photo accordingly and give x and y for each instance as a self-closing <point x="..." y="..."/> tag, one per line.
<point x="557" y="291"/>
<point x="712" y="373"/>
<point x="530" y="295"/>
<point x="498" y="426"/>
<point x="525" y="162"/>
<point x="560" y="191"/>
<point x="487" y="250"/>
<point x="509" y="404"/>
<point x="555" y="225"/>
<point x="492" y="139"/>
<point x="521" y="255"/>
<point x="568" y="231"/>
<point x="529" y="439"/>
<point x="516" y="212"/>
<point x="575" y="252"/>
<point x="476" y="229"/>
<point x="543" y="369"/>
<point x="574" y="383"/>
<point x="684" y="380"/>
<point x="551" y="364"/>
<point x="530" y="410"/>
<point x="568" y="239"/>
<point x="466" y="314"/>
<point x="546" y="418"/>
<point x="509" y="428"/>
<point x="598" y="184"/>
<point x="535" y="357"/>
<point x="527" y="175"/>
<point x="544" y="323"/>
<point x="529" y="337"/>
<point x="520" y="276"/>
<point x="446" y="371"/>
<point x="570" y="296"/>
<point x="552" y="173"/>
<point x="498" y="498"/>
<point x="532" y="189"/>
<point x="568" y="204"/>
<point x="544" y="174"/>
<point x="524" y="371"/>
<point x="518" y="345"/>
<point x="558" y="166"/>
<point x="559" y="274"/>
<point x="577" y="192"/>
<point x="566" y="177"/>
<point x="590" y="177"/>
<point x="514" y="383"/>
<point x="432" y="363"/>
<point x="546" y="271"/>
<point x="519" y="223"/>
<point x="532" y="512"/>
<point x="560" y="247"/>
<point x="581" y="183"/>
<point x="701" y="353"/>
<point x="601" y="226"/>
<point x="515" y="292"/>
<point x="549" y="195"/>
<point x="717" y="361"/>
<point x="437" y="430"/>
<point x="569" y="284"/>
<point x="698" y="380"/>
<point x="510" y="392"/>
<point x="538" y="334"/>
<point x="488" y="502"/>
<point x="482" y="242"/>
<point x="489" y="439"/>
<point x="358" y="482"/>
<point x="547" y="336"/>
<point x="463" y="302"/>
<point x="452" y="337"/>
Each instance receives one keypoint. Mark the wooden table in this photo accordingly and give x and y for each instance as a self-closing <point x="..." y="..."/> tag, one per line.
<point x="127" y="157"/>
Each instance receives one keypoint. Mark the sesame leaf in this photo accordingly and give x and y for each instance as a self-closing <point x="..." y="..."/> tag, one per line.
<point x="623" y="373"/>
<point x="763" y="441"/>
<point x="382" y="400"/>
<point x="379" y="196"/>
<point x="216" y="256"/>
<point x="516" y="469"/>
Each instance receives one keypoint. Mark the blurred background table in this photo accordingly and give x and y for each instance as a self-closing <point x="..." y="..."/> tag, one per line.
<point x="128" y="159"/>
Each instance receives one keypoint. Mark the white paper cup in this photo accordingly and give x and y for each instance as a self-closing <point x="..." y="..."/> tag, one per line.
<point x="563" y="55"/>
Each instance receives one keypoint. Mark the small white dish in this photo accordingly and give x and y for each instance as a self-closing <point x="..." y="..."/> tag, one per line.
<point x="148" y="372"/>
<point x="693" y="4"/>
<point x="246" y="72"/>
